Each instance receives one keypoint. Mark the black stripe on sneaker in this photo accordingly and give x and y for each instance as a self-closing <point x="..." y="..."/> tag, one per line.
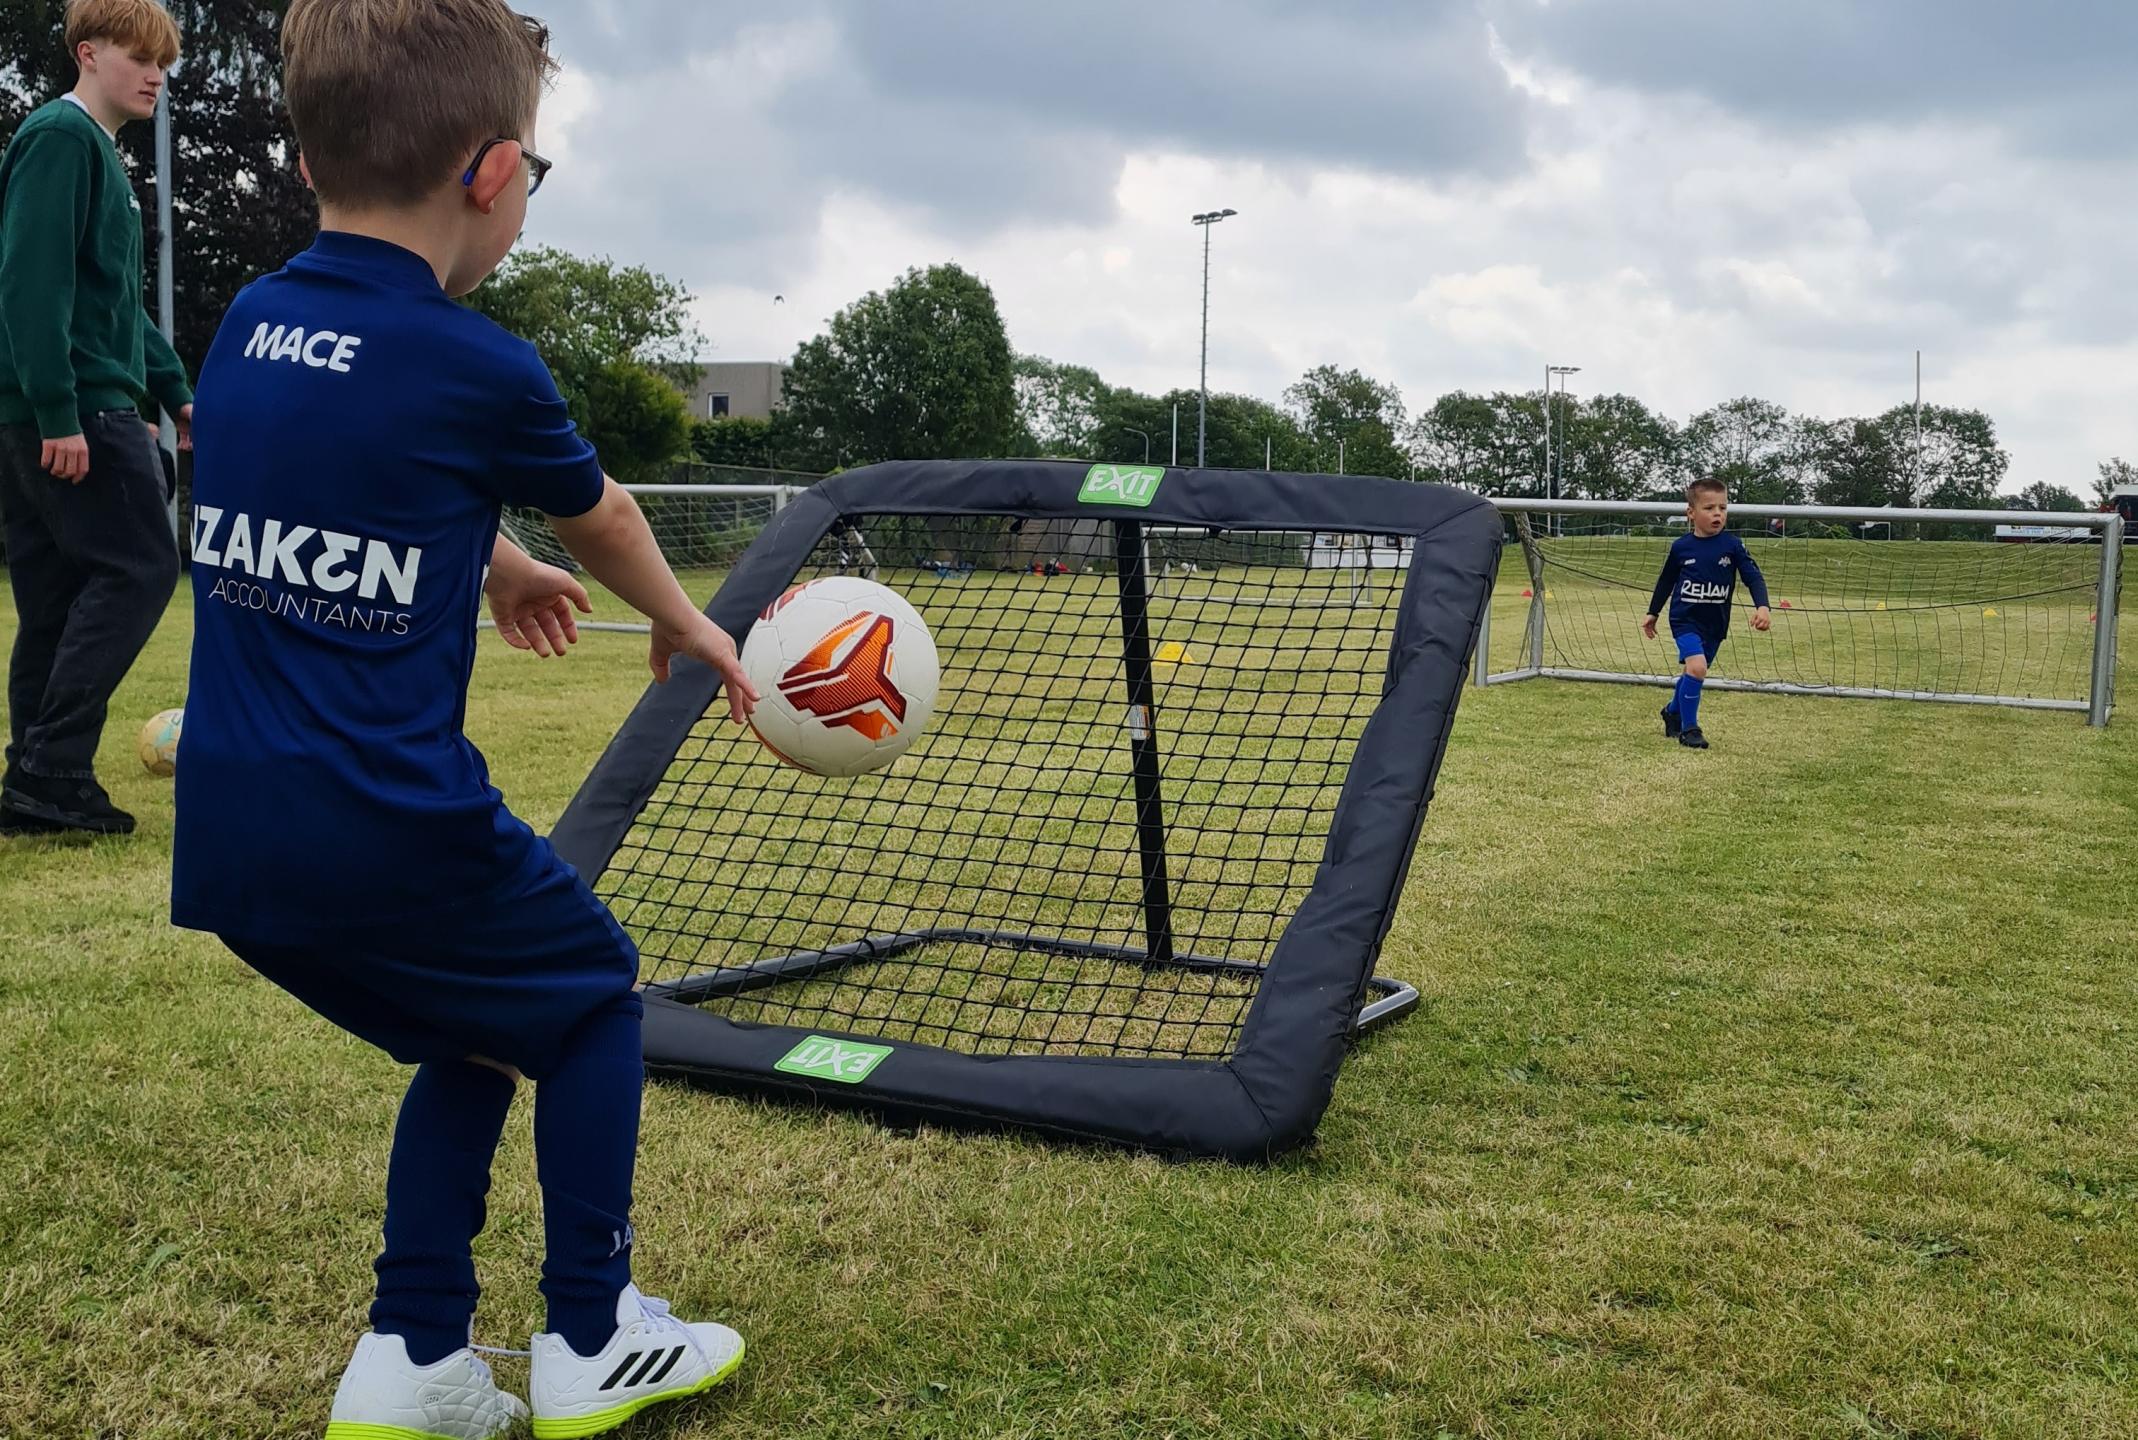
<point x="653" y="1357"/>
<point x="618" y="1373"/>
<point x="666" y="1365"/>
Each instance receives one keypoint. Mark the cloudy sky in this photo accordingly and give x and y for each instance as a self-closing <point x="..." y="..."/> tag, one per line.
<point x="1690" y="199"/>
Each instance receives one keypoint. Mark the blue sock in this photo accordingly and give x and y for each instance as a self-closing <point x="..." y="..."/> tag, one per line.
<point x="586" y="1146"/>
<point x="436" y="1183"/>
<point x="1688" y="702"/>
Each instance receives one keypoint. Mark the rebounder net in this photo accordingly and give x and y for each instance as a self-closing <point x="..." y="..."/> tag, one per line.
<point x="1019" y="901"/>
<point x="1107" y="846"/>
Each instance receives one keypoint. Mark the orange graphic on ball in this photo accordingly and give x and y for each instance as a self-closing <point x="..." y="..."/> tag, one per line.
<point x="854" y="690"/>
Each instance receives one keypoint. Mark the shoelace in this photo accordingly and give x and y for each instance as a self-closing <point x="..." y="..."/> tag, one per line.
<point x="654" y="1308"/>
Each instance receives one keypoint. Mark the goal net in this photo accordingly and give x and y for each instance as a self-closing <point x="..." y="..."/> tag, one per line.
<point x="1131" y="882"/>
<point x="1984" y="607"/>
<point x="703" y="527"/>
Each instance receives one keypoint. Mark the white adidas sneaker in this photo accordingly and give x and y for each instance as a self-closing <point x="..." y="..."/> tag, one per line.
<point x="652" y="1357"/>
<point x="385" y="1397"/>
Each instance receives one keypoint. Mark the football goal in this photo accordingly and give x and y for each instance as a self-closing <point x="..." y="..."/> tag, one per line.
<point x="1984" y="607"/>
<point x="1131" y="883"/>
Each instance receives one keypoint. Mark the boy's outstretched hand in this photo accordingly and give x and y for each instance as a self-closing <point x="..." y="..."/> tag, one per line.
<point x="1648" y="626"/>
<point x="707" y="643"/>
<point x="1761" y="619"/>
<point x="532" y="604"/>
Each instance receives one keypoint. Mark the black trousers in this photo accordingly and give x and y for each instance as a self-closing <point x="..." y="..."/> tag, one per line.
<point x="92" y="565"/>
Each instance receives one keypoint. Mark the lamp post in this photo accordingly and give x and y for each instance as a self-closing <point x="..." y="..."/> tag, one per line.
<point x="1551" y="486"/>
<point x="1146" y="441"/>
<point x="1202" y="405"/>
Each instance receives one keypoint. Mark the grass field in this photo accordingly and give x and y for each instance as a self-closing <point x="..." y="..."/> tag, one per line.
<point x="1784" y="1090"/>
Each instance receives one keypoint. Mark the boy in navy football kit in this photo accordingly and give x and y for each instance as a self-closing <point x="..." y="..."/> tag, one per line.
<point x="1699" y="576"/>
<point x="357" y="433"/>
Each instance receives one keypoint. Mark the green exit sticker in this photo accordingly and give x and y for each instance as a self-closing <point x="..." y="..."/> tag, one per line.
<point x="1121" y="484"/>
<point x="822" y="1058"/>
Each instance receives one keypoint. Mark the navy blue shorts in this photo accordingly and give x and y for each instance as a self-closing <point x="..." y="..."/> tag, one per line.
<point x="1692" y="642"/>
<point x="509" y="980"/>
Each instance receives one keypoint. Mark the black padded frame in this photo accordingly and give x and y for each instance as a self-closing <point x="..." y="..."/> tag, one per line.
<point x="1270" y="1093"/>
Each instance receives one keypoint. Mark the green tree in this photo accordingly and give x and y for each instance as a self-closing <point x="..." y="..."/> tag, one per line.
<point x="239" y="207"/>
<point x="1348" y="406"/>
<point x="1616" y="448"/>
<point x="636" y="420"/>
<point x="1059" y="407"/>
<point x="616" y="337"/>
<point x="740" y="440"/>
<point x="1490" y="443"/>
<point x="583" y="313"/>
<point x="1753" y="446"/>
<point x="2113" y="475"/>
<point x="2042" y="495"/>
<point x="1855" y="464"/>
<point x="1959" y="463"/>
<point x="919" y="370"/>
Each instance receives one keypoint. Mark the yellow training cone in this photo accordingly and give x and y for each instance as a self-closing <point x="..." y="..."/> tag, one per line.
<point x="1989" y="613"/>
<point x="1879" y="606"/>
<point x="1174" y="653"/>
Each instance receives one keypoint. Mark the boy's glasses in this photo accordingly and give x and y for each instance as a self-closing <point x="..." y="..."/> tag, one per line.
<point x="537" y="167"/>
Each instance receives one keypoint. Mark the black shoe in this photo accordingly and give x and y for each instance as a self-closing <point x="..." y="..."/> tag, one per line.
<point x="13" y="826"/>
<point x="1692" y="739"/>
<point x="63" y="805"/>
<point x="1671" y="727"/>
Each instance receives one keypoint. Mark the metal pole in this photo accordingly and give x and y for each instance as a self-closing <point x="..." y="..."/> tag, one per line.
<point x="166" y="305"/>
<point x="1176" y="435"/>
<point x="1265" y="452"/>
<point x="1339" y="457"/>
<point x="1548" y="433"/>
<point x="2104" y="624"/>
<point x="1130" y="575"/>
<point x="1202" y="400"/>
<point x="1481" y="657"/>
<point x="1916" y="493"/>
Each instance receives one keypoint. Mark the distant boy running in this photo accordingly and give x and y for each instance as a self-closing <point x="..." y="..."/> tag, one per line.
<point x="1699" y="577"/>
<point x="89" y="550"/>
<point x="357" y="434"/>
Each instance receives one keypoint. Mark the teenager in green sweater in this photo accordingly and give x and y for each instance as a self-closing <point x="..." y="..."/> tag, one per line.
<point x="90" y="554"/>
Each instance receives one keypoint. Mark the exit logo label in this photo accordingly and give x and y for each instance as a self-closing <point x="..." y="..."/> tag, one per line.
<point x="822" y="1058"/>
<point x="1121" y="484"/>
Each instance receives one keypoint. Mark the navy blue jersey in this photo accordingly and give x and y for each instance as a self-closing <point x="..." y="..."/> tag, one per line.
<point x="1699" y="577"/>
<point x="355" y="433"/>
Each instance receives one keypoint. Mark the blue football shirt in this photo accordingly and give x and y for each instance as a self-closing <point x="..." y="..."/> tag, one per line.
<point x="355" y="433"/>
<point x="1699" y="578"/>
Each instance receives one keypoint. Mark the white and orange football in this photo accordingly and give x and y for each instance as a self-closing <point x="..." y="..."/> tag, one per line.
<point x="846" y="676"/>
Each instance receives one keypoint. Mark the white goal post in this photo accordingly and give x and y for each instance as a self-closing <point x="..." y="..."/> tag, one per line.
<point x="1880" y="603"/>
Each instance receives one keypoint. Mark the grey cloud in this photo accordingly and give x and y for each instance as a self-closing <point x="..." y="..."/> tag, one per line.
<point x="2055" y="74"/>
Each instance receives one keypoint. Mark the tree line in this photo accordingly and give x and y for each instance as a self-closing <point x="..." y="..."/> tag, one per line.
<point x="924" y="367"/>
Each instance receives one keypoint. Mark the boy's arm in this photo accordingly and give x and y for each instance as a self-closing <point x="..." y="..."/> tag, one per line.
<point x="532" y="603"/>
<point x="617" y="547"/>
<point x="41" y="228"/>
<point x="1671" y="565"/>
<point x="1754" y="581"/>
<point x="166" y="372"/>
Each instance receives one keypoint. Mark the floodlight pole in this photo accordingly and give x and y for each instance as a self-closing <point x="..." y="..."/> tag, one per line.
<point x="1176" y="434"/>
<point x="1146" y="441"/>
<point x="1551" y="486"/>
<point x="1202" y="405"/>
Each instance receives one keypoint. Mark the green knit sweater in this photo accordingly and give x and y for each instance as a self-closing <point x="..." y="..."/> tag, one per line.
<point x="74" y="338"/>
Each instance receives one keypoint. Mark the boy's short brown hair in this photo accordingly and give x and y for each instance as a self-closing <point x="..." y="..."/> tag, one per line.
<point x="141" y="26"/>
<point x="1706" y="485"/>
<point x="390" y="97"/>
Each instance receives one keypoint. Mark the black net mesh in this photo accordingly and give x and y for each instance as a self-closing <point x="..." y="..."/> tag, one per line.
<point x="1907" y="610"/>
<point x="994" y="891"/>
